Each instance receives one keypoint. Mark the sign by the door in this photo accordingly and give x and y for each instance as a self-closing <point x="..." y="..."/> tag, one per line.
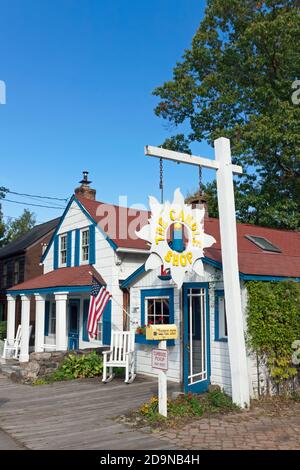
<point x="161" y="332"/>
<point x="159" y="359"/>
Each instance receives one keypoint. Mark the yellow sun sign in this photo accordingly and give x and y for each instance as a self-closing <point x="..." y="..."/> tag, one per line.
<point x="176" y="234"/>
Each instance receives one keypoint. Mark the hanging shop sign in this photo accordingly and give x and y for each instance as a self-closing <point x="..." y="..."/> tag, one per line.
<point x="161" y="332"/>
<point x="176" y="235"/>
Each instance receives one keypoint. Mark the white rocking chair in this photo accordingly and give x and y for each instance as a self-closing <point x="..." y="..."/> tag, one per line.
<point x="121" y="354"/>
<point x="13" y="347"/>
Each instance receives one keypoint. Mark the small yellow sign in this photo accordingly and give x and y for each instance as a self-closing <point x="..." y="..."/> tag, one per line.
<point x="161" y="332"/>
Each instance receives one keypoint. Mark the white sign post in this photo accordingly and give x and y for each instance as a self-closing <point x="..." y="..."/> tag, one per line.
<point x="162" y="383"/>
<point x="236" y="341"/>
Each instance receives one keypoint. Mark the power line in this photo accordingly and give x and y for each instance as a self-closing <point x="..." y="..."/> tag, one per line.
<point x="31" y="204"/>
<point x="39" y="196"/>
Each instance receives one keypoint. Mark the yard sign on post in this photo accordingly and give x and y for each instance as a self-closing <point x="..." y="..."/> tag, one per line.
<point x="236" y="341"/>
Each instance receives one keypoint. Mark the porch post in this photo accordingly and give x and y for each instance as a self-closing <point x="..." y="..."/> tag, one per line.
<point x="40" y="301"/>
<point x="61" y="321"/>
<point x="11" y="318"/>
<point x="25" y="315"/>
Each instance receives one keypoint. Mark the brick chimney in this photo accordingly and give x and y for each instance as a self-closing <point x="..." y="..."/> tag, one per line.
<point x="84" y="189"/>
<point x="198" y="199"/>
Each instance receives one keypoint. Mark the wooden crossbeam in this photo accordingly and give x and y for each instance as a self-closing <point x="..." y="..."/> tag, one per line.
<point x="159" y="152"/>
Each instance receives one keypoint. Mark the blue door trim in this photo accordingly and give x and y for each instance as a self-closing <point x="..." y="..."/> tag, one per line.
<point x="199" y="387"/>
<point x="73" y="335"/>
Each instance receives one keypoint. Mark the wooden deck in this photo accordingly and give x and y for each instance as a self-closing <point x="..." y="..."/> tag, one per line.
<point x="76" y="415"/>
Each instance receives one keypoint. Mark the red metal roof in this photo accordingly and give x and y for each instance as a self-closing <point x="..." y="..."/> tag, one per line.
<point x="63" y="277"/>
<point x="252" y="259"/>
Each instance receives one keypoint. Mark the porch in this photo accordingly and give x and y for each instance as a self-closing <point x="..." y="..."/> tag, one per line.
<point x="54" y="311"/>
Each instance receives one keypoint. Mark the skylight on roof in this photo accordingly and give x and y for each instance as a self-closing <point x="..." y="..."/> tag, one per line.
<point x="263" y="243"/>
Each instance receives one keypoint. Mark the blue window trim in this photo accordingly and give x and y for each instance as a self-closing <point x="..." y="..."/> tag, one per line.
<point x="86" y="213"/>
<point x="55" y="252"/>
<point x="162" y="292"/>
<point x="92" y="245"/>
<point x="69" y="249"/>
<point x="218" y="293"/>
<point x="77" y="247"/>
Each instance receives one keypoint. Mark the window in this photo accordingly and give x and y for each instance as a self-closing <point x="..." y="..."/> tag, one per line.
<point x="63" y="250"/>
<point x="221" y="333"/>
<point x="263" y="243"/>
<point x="99" y="331"/>
<point x="16" y="272"/>
<point x="4" y="276"/>
<point x="52" y="319"/>
<point x="85" y="242"/>
<point x="157" y="311"/>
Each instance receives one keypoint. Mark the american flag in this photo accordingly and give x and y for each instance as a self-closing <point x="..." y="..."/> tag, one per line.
<point x="99" y="298"/>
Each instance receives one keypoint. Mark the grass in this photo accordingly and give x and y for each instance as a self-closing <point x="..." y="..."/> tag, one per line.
<point x="183" y="407"/>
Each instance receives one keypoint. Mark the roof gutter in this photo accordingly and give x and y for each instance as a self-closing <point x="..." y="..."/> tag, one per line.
<point x="132" y="250"/>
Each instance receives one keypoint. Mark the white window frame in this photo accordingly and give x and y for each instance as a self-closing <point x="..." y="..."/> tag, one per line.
<point x="155" y="297"/>
<point x="222" y="318"/>
<point x="63" y="235"/>
<point x="99" y="336"/>
<point x="52" y="318"/>
<point x="84" y="261"/>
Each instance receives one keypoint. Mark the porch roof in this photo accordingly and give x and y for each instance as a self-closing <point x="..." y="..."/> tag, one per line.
<point x="62" y="278"/>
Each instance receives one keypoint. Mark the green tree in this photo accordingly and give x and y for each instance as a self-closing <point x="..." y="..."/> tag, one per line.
<point x="236" y="81"/>
<point x="3" y="191"/>
<point x="15" y="228"/>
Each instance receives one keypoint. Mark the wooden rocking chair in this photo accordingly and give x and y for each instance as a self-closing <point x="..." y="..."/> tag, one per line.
<point x="121" y="354"/>
<point x="12" y="348"/>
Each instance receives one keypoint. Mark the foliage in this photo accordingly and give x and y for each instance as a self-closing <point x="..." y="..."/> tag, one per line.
<point x="3" y="327"/>
<point x="18" y="227"/>
<point x="3" y="191"/>
<point x="236" y="81"/>
<point x="188" y="405"/>
<point x="79" y="366"/>
<point x="273" y="325"/>
<point x="76" y="366"/>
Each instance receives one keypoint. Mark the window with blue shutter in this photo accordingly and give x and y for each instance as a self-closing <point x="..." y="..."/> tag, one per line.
<point x="69" y="249"/>
<point x="106" y="318"/>
<point x="77" y="247"/>
<point x="47" y="312"/>
<point x="85" y="335"/>
<point x="92" y="245"/>
<point x="55" y="252"/>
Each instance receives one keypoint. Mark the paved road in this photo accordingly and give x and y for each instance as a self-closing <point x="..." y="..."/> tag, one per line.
<point x="75" y="415"/>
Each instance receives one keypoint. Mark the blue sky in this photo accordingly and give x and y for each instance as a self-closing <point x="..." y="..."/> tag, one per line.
<point x="79" y="76"/>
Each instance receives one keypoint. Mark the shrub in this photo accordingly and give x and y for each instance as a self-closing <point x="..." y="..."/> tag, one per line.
<point x="273" y="325"/>
<point x="80" y="366"/>
<point x="3" y="327"/>
<point x="74" y="367"/>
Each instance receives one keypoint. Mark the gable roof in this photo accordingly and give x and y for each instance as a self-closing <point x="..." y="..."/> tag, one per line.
<point x="122" y="230"/>
<point x="20" y="245"/>
<point x="80" y="276"/>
